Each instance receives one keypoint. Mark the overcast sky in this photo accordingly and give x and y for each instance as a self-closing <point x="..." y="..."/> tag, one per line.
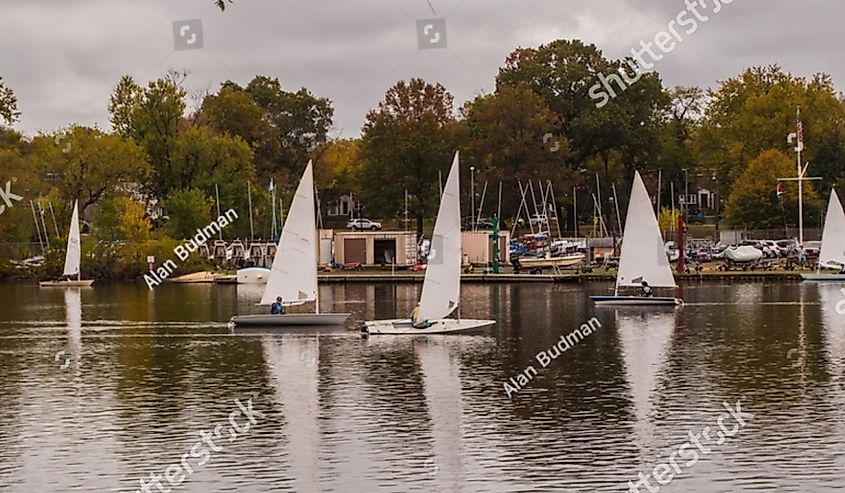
<point x="63" y="58"/>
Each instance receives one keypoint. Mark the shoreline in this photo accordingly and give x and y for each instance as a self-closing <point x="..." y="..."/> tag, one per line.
<point x="359" y="277"/>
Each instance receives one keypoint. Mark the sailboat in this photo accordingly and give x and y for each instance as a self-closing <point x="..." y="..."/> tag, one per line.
<point x="72" y="257"/>
<point x="643" y="256"/>
<point x="832" y="252"/>
<point x="441" y="292"/>
<point x="294" y="272"/>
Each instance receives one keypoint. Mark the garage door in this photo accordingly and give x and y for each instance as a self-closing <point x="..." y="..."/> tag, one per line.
<point x="355" y="250"/>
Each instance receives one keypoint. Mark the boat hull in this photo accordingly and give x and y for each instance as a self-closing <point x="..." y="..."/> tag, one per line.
<point x="823" y="277"/>
<point x="443" y="326"/>
<point x="67" y="284"/>
<point x="289" y="320"/>
<point x="253" y="275"/>
<point x="559" y="262"/>
<point x="635" y="300"/>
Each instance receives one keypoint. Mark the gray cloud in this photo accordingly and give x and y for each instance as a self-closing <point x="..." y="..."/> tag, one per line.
<point x="62" y="59"/>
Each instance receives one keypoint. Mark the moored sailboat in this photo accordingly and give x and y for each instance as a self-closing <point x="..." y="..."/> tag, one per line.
<point x="72" y="257"/>
<point x="832" y="251"/>
<point x="643" y="258"/>
<point x="441" y="292"/>
<point x="293" y="276"/>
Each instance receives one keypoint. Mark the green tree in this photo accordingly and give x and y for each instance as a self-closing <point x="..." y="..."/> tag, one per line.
<point x="151" y="116"/>
<point x="753" y="202"/>
<point x="300" y="122"/>
<point x="406" y="142"/>
<point x="8" y="105"/>
<point x="188" y="210"/>
<point x="91" y="164"/>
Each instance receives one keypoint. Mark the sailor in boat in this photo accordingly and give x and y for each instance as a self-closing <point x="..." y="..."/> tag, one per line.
<point x="416" y="322"/>
<point x="646" y="290"/>
<point x="277" y="308"/>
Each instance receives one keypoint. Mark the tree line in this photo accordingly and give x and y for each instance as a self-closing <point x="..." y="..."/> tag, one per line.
<point x="539" y="123"/>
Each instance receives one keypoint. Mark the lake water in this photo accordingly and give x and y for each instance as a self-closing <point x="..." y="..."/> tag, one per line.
<point x="106" y="386"/>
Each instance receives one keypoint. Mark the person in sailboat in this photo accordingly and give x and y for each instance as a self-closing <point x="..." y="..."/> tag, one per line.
<point x="646" y="290"/>
<point x="415" y="319"/>
<point x="277" y="308"/>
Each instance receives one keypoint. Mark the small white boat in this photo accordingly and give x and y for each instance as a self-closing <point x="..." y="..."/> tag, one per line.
<point x="253" y="275"/>
<point x="294" y="272"/>
<point x="643" y="255"/>
<point x="744" y="253"/>
<point x="533" y="264"/>
<point x="72" y="258"/>
<point x="832" y="252"/>
<point x="441" y="292"/>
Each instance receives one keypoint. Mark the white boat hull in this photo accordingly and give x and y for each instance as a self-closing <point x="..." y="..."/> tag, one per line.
<point x="823" y="277"/>
<point x="443" y="326"/>
<point x="636" y="300"/>
<point x="551" y="262"/>
<point x="67" y="284"/>
<point x="289" y="320"/>
<point x="253" y="275"/>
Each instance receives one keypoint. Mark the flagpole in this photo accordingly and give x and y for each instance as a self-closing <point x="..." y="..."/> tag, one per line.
<point x="800" y="181"/>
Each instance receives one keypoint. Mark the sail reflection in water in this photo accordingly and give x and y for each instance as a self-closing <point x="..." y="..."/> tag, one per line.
<point x="293" y="363"/>
<point x="644" y="337"/>
<point x="442" y="384"/>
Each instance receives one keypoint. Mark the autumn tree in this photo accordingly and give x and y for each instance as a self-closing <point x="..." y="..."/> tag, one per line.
<point x="514" y="137"/>
<point x="753" y="201"/>
<point x="407" y="141"/>
<point x="755" y="111"/>
<point x="336" y="165"/>
<point x="121" y="218"/>
<point x="566" y="75"/>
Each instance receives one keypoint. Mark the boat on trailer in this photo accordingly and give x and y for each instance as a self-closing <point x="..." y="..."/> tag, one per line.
<point x="832" y="251"/>
<point x="72" y="258"/>
<point x="293" y="275"/>
<point x="441" y="292"/>
<point x="643" y="256"/>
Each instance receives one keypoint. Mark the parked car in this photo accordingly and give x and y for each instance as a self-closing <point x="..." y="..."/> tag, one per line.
<point x="775" y="248"/>
<point x="703" y="255"/>
<point x="479" y="224"/>
<point x="361" y="224"/>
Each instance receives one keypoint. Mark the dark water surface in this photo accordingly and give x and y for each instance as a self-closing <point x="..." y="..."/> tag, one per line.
<point x="104" y="386"/>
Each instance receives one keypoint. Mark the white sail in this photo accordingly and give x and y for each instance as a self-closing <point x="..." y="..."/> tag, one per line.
<point x="643" y="252"/>
<point x="294" y="272"/>
<point x="832" y="252"/>
<point x="73" y="249"/>
<point x="442" y="285"/>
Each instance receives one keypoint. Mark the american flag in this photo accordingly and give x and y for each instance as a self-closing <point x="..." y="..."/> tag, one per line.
<point x="779" y="190"/>
<point x="800" y="127"/>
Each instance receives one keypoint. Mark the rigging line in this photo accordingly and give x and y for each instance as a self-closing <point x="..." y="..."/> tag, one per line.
<point x="431" y="7"/>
